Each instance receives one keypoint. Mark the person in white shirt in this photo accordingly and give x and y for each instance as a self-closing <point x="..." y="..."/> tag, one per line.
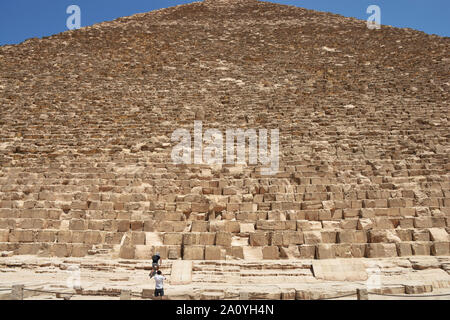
<point x="159" y="284"/>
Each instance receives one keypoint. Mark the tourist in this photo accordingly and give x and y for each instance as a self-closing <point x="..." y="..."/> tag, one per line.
<point x="156" y="262"/>
<point x="159" y="285"/>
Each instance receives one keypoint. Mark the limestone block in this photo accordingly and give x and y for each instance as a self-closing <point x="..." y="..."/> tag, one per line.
<point x="138" y="238"/>
<point x="193" y="252"/>
<point x="404" y="235"/>
<point x="223" y="239"/>
<point x="21" y="236"/>
<point x="331" y="225"/>
<point x="4" y="235"/>
<point x="137" y="225"/>
<point x="270" y="252"/>
<point x="45" y="236"/>
<point x="237" y="252"/>
<point x="28" y="248"/>
<point x="383" y="236"/>
<point x="407" y="223"/>
<point x="349" y="224"/>
<point x="123" y="225"/>
<point x="259" y="239"/>
<point x="358" y="250"/>
<point x="247" y="227"/>
<point x="365" y="224"/>
<point x="292" y="238"/>
<point x="440" y="248"/>
<point x="421" y="248"/>
<point x="77" y="224"/>
<point x="276" y="238"/>
<point x="217" y="225"/>
<point x="307" y="251"/>
<point x="381" y="250"/>
<point x="312" y="237"/>
<point x="127" y="252"/>
<point x="382" y="223"/>
<point x="80" y="250"/>
<point x="174" y="252"/>
<point x="214" y="253"/>
<point x="199" y="226"/>
<point x="270" y="225"/>
<point x="305" y="225"/>
<point x="92" y="237"/>
<point x="423" y="222"/>
<point x="174" y="238"/>
<point x="329" y="236"/>
<point x="325" y="251"/>
<point x="404" y="249"/>
<point x="343" y="250"/>
<point x="207" y="238"/>
<point x="439" y="235"/>
<point x="418" y="288"/>
<point x="61" y="250"/>
<point x="421" y="235"/>
<point x="232" y="226"/>
<point x="64" y="236"/>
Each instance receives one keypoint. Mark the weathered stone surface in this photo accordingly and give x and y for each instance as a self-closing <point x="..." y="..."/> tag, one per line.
<point x="86" y="163"/>
<point x="193" y="252"/>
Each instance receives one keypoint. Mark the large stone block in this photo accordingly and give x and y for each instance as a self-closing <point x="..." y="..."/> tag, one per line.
<point x="214" y="253"/>
<point x="381" y="250"/>
<point x="237" y="252"/>
<point x="257" y="239"/>
<point x="78" y="224"/>
<point x="28" y="248"/>
<point x="92" y="237"/>
<point x="358" y="250"/>
<point x="423" y="222"/>
<point x="439" y="235"/>
<point x="223" y="239"/>
<point x="292" y="238"/>
<point x="4" y="235"/>
<point x="440" y="249"/>
<point x="193" y="252"/>
<point x="127" y="252"/>
<point x="21" y="236"/>
<point x="79" y="250"/>
<point x="421" y="248"/>
<point x="199" y="226"/>
<point x="173" y="238"/>
<point x="61" y="250"/>
<point x="404" y="249"/>
<point x="207" y="238"/>
<point x="138" y="238"/>
<point x="45" y="236"/>
<point x="307" y="251"/>
<point x="343" y="250"/>
<point x="312" y="237"/>
<point x="383" y="236"/>
<point x="270" y="252"/>
<point x="246" y="228"/>
<point x="325" y="251"/>
<point x="270" y="225"/>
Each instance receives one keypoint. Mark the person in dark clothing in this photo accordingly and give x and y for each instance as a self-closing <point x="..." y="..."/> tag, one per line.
<point x="156" y="262"/>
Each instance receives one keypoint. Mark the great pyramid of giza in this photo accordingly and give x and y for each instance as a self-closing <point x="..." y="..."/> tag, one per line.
<point x="87" y="118"/>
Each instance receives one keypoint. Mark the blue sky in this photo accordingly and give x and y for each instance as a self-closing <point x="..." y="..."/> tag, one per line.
<point x="23" y="19"/>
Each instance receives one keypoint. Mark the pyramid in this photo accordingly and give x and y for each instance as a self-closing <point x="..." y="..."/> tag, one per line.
<point x="88" y="115"/>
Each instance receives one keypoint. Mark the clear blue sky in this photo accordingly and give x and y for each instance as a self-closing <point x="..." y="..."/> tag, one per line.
<point x="23" y="19"/>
